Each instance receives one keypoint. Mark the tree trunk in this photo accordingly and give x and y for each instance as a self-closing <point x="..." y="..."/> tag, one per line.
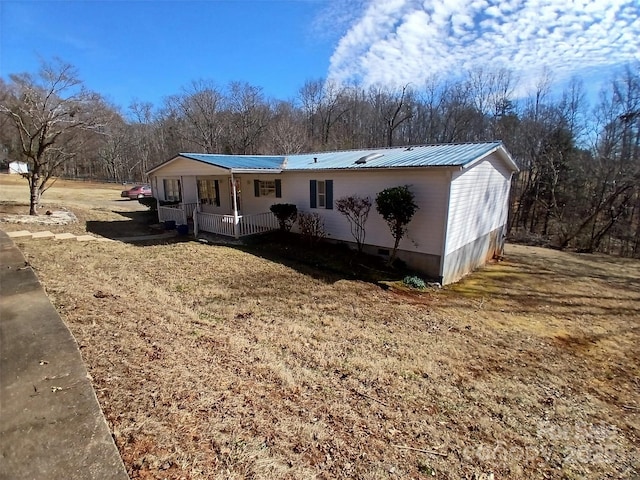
<point x="34" y="199"/>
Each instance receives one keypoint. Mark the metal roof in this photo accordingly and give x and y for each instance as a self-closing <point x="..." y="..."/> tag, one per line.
<point x="445" y="155"/>
<point x="239" y="162"/>
<point x="461" y="155"/>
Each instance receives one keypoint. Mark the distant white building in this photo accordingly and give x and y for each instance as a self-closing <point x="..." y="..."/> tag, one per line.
<point x="18" y="168"/>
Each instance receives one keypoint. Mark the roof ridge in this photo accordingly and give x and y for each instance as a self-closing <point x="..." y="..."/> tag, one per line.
<point x="416" y="145"/>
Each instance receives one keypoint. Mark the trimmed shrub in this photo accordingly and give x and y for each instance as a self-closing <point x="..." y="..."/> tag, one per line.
<point x="397" y="207"/>
<point x="286" y="213"/>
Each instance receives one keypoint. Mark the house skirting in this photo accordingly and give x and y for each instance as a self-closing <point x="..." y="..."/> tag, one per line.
<point x="473" y="255"/>
<point x="425" y="263"/>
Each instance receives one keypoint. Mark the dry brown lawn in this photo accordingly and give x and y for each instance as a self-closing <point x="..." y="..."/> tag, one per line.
<point x="213" y="362"/>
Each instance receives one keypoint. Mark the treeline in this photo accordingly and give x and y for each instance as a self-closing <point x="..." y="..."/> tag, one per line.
<point x="579" y="185"/>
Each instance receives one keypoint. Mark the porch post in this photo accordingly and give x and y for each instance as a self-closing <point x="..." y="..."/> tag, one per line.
<point x="236" y="218"/>
<point x="184" y="206"/>
<point x="195" y="220"/>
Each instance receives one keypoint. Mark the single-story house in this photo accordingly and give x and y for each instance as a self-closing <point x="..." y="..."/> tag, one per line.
<point x="18" y="167"/>
<point x="462" y="191"/>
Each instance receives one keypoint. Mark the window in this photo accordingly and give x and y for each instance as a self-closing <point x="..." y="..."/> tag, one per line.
<point x="267" y="188"/>
<point x="209" y="192"/>
<point x="172" y="190"/>
<point x="321" y="194"/>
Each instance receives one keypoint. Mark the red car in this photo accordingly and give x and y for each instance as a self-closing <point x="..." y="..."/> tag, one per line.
<point x="139" y="191"/>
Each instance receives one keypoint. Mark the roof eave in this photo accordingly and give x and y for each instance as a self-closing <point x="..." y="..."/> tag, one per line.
<point x="364" y="167"/>
<point x="506" y="157"/>
<point x="254" y="170"/>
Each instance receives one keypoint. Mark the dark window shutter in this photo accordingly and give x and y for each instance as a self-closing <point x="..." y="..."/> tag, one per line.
<point x="329" y="194"/>
<point x="313" y="193"/>
<point x="256" y="187"/>
<point x="216" y="185"/>
<point x="278" y="188"/>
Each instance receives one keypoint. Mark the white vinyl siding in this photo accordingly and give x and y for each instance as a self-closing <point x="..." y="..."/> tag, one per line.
<point x="426" y="230"/>
<point x="479" y="202"/>
<point x="185" y="167"/>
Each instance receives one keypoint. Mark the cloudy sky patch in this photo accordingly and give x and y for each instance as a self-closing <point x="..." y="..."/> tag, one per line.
<point x="396" y="42"/>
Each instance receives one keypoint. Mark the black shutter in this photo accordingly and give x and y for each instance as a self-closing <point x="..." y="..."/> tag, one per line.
<point x="328" y="187"/>
<point x="216" y="186"/>
<point x="278" y="188"/>
<point x="313" y="193"/>
<point x="256" y="188"/>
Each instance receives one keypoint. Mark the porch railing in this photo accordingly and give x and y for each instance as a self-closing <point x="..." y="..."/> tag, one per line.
<point x="226" y="224"/>
<point x="179" y="213"/>
<point x="189" y="208"/>
<point x="172" y="212"/>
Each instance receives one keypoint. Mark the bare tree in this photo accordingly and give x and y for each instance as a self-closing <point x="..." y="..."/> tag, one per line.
<point x="248" y="115"/>
<point x="197" y="111"/>
<point x="286" y="130"/>
<point x="324" y="104"/>
<point x="356" y="209"/>
<point x="48" y="112"/>
<point x="393" y="108"/>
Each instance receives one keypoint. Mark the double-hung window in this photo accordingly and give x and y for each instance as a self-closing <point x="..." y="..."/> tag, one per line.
<point x="321" y="194"/>
<point x="268" y="188"/>
<point x="209" y="192"/>
<point x="172" y="191"/>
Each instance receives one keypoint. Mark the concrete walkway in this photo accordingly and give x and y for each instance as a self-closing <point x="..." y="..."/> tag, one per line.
<point x="26" y="235"/>
<point x="51" y="425"/>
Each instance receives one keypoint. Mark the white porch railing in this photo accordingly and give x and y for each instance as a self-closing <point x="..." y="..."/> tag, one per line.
<point x="189" y="208"/>
<point x="172" y="212"/>
<point x="226" y="225"/>
<point x="179" y="213"/>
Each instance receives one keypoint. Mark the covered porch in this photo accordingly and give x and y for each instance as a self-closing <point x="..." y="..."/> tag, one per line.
<point x="217" y="199"/>
<point x="232" y="225"/>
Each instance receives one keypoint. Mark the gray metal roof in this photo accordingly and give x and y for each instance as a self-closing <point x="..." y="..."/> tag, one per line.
<point x="444" y="155"/>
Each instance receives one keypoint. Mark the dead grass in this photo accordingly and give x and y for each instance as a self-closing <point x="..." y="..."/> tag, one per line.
<point x="211" y="362"/>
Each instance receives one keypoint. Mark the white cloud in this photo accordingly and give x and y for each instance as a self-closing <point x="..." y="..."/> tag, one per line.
<point x="396" y="42"/>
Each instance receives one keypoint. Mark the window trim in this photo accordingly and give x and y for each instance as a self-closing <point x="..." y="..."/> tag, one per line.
<point x="211" y="190"/>
<point x="267" y="188"/>
<point x="260" y="189"/>
<point x="172" y="182"/>
<point x="321" y="196"/>
<point x="315" y="195"/>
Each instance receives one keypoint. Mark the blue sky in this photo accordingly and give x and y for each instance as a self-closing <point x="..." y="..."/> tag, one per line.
<point x="147" y="50"/>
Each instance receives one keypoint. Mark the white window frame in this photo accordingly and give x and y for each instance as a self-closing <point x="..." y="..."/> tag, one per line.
<point x="267" y="188"/>
<point x="207" y="192"/>
<point x="321" y="196"/>
<point x="172" y="189"/>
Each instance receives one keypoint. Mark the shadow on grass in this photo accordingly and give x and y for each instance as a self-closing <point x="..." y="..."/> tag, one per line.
<point x="133" y="224"/>
<point x="326" y="261"/>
